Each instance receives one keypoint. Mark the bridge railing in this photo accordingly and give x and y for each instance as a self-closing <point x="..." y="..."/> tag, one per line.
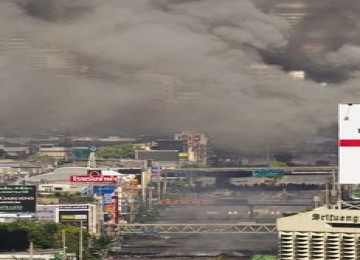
<point x="245" y="227"/>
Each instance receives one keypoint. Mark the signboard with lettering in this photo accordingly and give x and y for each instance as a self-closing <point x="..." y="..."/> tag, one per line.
<point x="349" y="143"/>
<point x="17" y="198"/>
<point x="268" y="173"/>
<point x="336" y="218"/>
<point x="103" y="189"/>
<point x="74" y="214"/>
<point x="46" y="212"/>
<point x="91" y="179"/>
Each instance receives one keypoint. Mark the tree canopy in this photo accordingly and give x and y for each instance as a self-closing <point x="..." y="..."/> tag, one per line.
<point x="48" y="235"/>
<point x="125" y="151"/>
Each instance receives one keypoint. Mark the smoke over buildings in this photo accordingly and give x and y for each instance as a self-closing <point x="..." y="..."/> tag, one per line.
<point x="156" y="66"/>
<point x="328" y="26"/>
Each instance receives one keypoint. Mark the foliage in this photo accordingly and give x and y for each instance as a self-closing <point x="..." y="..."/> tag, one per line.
<point x="126" y="151"/>
<point x="176" y="189"/>
<point x="99" y="245"/>
<point x="67" y="198"/>
<point x="42" y="234"/>
<point x="277" y="164"/>
<point x="48" y="235"/>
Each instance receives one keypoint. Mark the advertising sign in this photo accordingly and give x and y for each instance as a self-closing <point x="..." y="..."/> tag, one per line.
<point x="268" y="173"/>
<point x="104" y="189"/>
<point x="17" y="198"/>
<point x="74" y="214"/>
<point x="111" y="208"/>
<point x="349" y="143"/>
<point x="97" y="179"/>
<point x="80" y="153"/>
<point x="46" y="212"/>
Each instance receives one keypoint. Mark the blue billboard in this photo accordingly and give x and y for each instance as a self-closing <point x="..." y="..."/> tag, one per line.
<point x="102" y="190"/>
<point x="268" y="173"/>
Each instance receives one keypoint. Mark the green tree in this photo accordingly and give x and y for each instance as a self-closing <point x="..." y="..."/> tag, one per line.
<point x="42" y="234"/>
<point x="277" y="164"/>
<point x="48" y="235"/>
<point x="126" y="151"/>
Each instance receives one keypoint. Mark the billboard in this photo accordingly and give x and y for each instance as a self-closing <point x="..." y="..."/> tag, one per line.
<point x="349" y="143"/>
<point x="268" y="173"/>
<point x="17" y="198"/>
<point x="81" y="153"/>
<point x="91" y="179"/>
<point x="103" y="189"/>
<point x="46" y="212"/>
<point x="13" y="240"/>
<point x="135" y="171"/>
<point x="74" y="214"/>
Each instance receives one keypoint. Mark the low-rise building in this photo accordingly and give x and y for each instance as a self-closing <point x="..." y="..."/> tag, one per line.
<point x="321" y="233"/>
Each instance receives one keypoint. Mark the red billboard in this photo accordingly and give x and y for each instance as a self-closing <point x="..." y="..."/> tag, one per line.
<point x="97" y="179"/>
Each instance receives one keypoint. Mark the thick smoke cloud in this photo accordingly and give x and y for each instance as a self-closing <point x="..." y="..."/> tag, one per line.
<point x="329" y="26"/>
<point x="158" y="67"/>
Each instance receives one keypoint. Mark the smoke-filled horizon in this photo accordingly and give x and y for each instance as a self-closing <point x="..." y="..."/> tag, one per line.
<point x="162" y="66"/>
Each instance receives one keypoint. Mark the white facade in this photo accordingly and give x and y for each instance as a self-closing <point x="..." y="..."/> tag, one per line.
<point x="320" y="234"/>
<point x="349" y="143"/>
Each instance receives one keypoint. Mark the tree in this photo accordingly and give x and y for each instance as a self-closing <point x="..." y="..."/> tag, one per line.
<point x="48" y="235"/>
<point x="126" y="151"/>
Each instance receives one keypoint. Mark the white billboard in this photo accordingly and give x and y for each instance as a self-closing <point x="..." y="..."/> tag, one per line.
<point x="349" y="143"/>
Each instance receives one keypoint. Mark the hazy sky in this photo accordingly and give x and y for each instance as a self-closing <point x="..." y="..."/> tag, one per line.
<point x="167" y="65"/>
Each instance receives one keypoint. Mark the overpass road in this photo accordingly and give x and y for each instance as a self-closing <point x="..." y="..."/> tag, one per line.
<point x="238" y="172"/>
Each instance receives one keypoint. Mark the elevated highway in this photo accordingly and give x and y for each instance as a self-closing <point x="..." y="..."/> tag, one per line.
<point x="238" y="172"/>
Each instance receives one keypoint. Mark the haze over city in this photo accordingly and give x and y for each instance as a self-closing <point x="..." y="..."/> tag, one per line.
<point x="155" y="66"/>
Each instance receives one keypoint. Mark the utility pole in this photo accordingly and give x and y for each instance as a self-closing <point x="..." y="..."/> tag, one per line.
<point x="64" y="243"/>
<point x="150" y="196"/>
<point x="81" y="241"/>
<point x="31" y="250"/>
<point x="165" y="185"/>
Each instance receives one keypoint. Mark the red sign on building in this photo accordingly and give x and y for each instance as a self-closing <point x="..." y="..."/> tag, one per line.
<point x="97" y="179"/>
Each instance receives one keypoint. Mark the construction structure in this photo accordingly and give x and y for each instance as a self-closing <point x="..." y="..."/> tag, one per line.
<point x="331" y="231"/>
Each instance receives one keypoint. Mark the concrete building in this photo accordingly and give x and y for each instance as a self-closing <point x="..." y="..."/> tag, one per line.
<point x="53" y="151"/>
<point x="321" y="233"/>
<point x="197" y="146"/>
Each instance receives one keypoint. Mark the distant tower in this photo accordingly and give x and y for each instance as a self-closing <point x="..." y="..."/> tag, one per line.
<point x="66" y="142"/>
<point x="92" y="158"/>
